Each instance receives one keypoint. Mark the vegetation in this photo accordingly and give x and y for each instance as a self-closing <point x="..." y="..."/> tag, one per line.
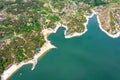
<point x="112" y="21"/>
<point x="115" y="1"/>
<point x="20" y="18"/>
<point x="22" y="24"/>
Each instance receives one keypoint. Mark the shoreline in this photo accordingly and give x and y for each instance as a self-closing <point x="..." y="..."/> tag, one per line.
<point x="15" y="67"/>
<point x="110" y="35"/>
<point x="48" y="46"/>
<point x="100" y="26"/>
<point x="75" y="34"/>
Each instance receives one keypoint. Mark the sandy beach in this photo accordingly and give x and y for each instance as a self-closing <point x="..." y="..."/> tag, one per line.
<point x="100" y="26"/>
<point x="110" y="35"/>
<point x="47" y="46"/>
<point x="75" y="34"/>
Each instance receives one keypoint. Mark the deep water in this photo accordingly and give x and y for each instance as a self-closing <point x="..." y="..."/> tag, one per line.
<point x="92" y="56"/>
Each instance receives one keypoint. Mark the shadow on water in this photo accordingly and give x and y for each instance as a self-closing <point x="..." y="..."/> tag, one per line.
<point x="92" y="56"/>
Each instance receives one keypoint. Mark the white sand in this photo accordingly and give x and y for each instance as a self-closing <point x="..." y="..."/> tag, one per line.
<point x="7" y="73"/>
<point x="47" y="46"/>
<point x="110" y="35"/>
<point x="75" y="34"/>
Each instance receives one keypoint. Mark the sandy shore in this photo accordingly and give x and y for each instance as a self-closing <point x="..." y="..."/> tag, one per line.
<point x="75" y="34"/>
<point x="47" y="46"/>
<point x="110" y="35"/>
<point x="100" y="26"/>
<point x="7" y="73"/>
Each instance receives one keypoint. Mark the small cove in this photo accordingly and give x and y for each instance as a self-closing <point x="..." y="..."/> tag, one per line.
<point x="92" y="56"/>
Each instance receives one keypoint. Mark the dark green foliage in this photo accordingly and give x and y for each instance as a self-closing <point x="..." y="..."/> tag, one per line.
<point x="54" y="18"/>
<point x="112" y="24"/>
<point x="92" y="2"/>
<point x="30" y="18"/>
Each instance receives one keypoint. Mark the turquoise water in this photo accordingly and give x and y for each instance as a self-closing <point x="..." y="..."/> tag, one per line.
<point x="92" y="56"/>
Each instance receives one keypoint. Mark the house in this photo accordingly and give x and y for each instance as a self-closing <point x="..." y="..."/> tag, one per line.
<point x="1" y="46"/>
<point x="3" y="41"/>
<point x="14" y="39"/>
<point x="38" y="49"/>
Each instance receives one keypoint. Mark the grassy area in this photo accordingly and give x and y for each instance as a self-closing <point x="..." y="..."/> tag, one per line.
<point x="115" y="1"/>
<point x="112" y="24"/>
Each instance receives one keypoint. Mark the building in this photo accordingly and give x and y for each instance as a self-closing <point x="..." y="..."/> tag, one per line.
<point x="38" y="49"/>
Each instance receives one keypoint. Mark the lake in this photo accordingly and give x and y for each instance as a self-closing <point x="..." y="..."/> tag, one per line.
<point x="92" y="56"/>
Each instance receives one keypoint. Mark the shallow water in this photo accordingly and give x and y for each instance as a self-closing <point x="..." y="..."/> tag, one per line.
<point x="92" y="56"/>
